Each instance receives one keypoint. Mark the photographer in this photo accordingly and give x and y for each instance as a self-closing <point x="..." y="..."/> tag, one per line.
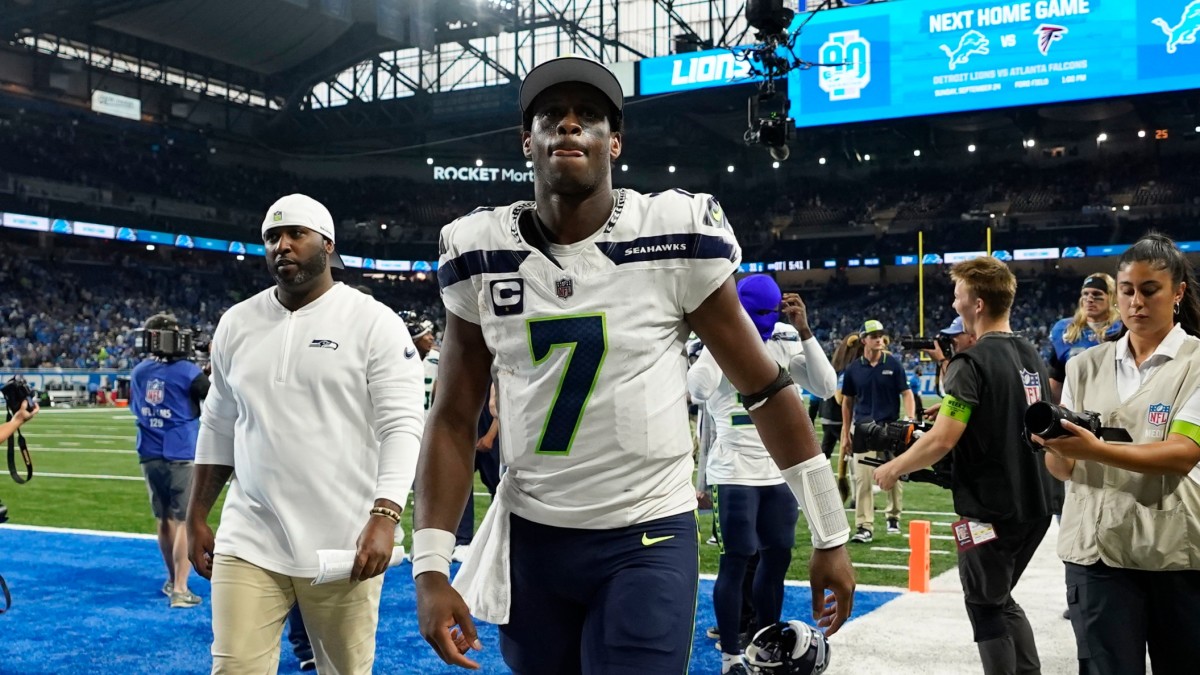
<point x="872" y="387"/>
<point x="1129" y="527"/>
<point x="165" y="392"/>
<point x="956" y="337"/>
<point x="1001" y="490"/>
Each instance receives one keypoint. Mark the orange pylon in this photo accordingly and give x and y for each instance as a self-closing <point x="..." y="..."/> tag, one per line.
<point x="918" y="556"/>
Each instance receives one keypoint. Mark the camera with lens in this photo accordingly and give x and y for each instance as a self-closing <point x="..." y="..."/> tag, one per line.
<point x="1045" y="419"/>
<point x="162" y="337"/>
<point x="893" y="438"/>
<point x="913" y="342"/>
<point x="17" y="390"/>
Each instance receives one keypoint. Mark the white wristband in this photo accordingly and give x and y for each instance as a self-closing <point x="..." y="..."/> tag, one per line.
<point x="813" y="484"/>
<point x="431" y="551"/>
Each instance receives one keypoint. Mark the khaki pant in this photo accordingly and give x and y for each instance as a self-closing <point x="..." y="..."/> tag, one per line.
<point x="250" y="604"/>
<point x="864" y="498"/>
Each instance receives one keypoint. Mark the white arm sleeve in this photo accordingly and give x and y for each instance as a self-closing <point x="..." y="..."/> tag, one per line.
<point x="396" y="384"/>
<point x="218" y="414"/>
<point x="813" y="371"/>
<point x="703" y="377"/>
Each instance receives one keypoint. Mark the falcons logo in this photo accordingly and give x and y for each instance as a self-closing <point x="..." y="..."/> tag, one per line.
<point x="1048" y="34"/>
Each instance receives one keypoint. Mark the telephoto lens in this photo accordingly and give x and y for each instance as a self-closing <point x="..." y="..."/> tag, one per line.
<point x="1045" y="419"/>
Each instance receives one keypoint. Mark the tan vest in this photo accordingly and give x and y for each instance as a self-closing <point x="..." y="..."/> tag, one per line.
<point x="1128" y="519"/>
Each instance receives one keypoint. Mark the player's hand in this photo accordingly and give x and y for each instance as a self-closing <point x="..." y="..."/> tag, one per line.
<point x="24" y="414"/>
<point x="931" y="412"/>
<point x="797" y="314"/>
<point x="846" y="448"/>
<point x="830" y="570"/>
<point x="705" y="500"/>
<point x="200" y="547"/>
<point x="375" y="544"/>
<point x="485" y="443"/>
<point x="444" y="620"/>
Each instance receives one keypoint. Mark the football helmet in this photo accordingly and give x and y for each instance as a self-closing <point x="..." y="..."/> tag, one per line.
<point x="788" y="648"/>
<point x="417" y="324"/>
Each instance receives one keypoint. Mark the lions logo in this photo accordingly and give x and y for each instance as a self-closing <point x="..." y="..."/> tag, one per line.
<point x="155" y="392"/>
<point x="1184" y="32"/>
<point x="972" y="42"/>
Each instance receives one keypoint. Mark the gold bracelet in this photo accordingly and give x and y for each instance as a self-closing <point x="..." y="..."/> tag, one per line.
<point x="386" y="513"/>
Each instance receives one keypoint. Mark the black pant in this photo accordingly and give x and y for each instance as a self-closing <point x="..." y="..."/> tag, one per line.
<point x="989" y="573"/>
<point x="488" y="466"/>
<point x="830" y="435"/>
<point x="1116" y="613"/>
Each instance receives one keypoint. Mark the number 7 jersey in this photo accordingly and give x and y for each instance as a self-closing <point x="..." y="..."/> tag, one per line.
<point x="588" y="350"/>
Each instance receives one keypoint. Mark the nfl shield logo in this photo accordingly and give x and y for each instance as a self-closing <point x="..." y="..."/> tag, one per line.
<point x="1033" y="386"/>
<point x="1158" y="414"/>
<point x="564" y="288"/>
<point x="154" y="392"/>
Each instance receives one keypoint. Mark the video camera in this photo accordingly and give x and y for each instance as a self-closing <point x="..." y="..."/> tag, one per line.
<point x="168" y="343"/>
<point x="913" y="342"/>
<point x="894" y="438"/>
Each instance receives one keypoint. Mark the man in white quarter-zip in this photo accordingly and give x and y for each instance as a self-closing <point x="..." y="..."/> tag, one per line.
<point x="316" y="411"/>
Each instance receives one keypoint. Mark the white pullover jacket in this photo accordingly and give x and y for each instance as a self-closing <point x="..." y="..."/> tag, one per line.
<point x="319" y="412"/>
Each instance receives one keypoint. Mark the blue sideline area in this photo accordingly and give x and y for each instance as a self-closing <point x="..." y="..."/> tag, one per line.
<point x="87" y="603"/>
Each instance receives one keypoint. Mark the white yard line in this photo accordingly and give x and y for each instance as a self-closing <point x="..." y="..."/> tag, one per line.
<point x="88" y="475"/>
<point x="72" y="530"/>
<point x="107" y="451"/>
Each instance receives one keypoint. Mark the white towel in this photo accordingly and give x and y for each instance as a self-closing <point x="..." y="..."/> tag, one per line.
<point x="483" y="580"/>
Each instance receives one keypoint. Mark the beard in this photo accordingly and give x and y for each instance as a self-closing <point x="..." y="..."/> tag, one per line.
<point x="306" y="270"/>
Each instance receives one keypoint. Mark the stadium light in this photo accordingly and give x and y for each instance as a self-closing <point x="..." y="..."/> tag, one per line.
<point x="971" y="148"/>
<point x="671" y="168"/>
<point x="916" y="153"/>
<point x="1114" y="208"/>
<point x="1141" y="133"/>
<point x="479" y="162"/>
<point x="429" y="160"/>
<point x="1030" y="143"/>
<point x="1102" y="137"/>
<point x="383" y="226"/>
<point x="729" y="168"/>
<point x="624" y="167"/>
<point x="241" y="257"/>
<point x="1198" y="129"/>
<point x="867" y="158"/>
<point x="821" y="161"/>
<point x="149" y="247"/>
<point x="1125" y="208"/>
<point x="774" y="165"/>
<point x="528" y="165"/>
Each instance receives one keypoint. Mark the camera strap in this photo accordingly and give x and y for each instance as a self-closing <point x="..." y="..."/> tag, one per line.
<point x="7" y="596"/>
<point x="14" y="441"/>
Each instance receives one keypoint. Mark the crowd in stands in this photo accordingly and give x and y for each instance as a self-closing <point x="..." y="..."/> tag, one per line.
<point x="76" y="307"/>
<point x="158" y="177"/>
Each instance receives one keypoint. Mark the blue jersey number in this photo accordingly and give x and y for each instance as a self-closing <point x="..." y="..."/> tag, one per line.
<point x="586" y="339"/>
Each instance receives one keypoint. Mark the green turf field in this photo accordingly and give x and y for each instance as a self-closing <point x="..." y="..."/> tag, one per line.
<point x="87" y="476"/>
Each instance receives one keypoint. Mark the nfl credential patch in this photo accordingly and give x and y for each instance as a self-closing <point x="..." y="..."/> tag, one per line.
<point x="154" y="392"/>
<point x="1158" y="413"/>
<point x="1033" y="386"/>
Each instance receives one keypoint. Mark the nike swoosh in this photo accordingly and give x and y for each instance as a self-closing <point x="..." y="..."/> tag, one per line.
<point x="409" y="353"/>
<point x="647" y="540"/>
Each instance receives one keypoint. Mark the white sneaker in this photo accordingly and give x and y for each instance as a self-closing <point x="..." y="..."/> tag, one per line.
<point x="460" y="553"/>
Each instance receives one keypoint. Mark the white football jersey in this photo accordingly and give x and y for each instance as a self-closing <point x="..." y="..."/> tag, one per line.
<point x="738" y="457"/>
<point x="589" y="360"/>
<point x="431" y="368"/>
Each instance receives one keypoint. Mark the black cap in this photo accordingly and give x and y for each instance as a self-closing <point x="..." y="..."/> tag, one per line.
<point x="571" y="69"/>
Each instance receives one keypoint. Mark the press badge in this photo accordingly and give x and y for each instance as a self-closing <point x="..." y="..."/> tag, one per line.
<point x="971" y="533"/>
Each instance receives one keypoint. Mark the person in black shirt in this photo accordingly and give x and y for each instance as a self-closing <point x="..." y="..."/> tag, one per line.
<point x="1001" y="488"/>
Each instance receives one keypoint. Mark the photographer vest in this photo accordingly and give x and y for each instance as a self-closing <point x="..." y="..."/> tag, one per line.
<point x="997" y="476"/>
<point x="1125" y="518"/>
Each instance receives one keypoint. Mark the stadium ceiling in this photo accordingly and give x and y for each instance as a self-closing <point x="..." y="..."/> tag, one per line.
<point x="369" y="66"/>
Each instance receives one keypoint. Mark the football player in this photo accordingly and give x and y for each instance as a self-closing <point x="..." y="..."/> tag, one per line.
<point x="580" y="303"/>
<point x="755" y="510"/>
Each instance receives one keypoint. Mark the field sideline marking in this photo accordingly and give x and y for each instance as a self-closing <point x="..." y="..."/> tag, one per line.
<point x="109" y="451"/>
<point x="860" y="587"/>
<point x="72" y="530"/>
<point x="887" y="549"/>
<point x="89" y="475"/>
<point x="882" y="566"/>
